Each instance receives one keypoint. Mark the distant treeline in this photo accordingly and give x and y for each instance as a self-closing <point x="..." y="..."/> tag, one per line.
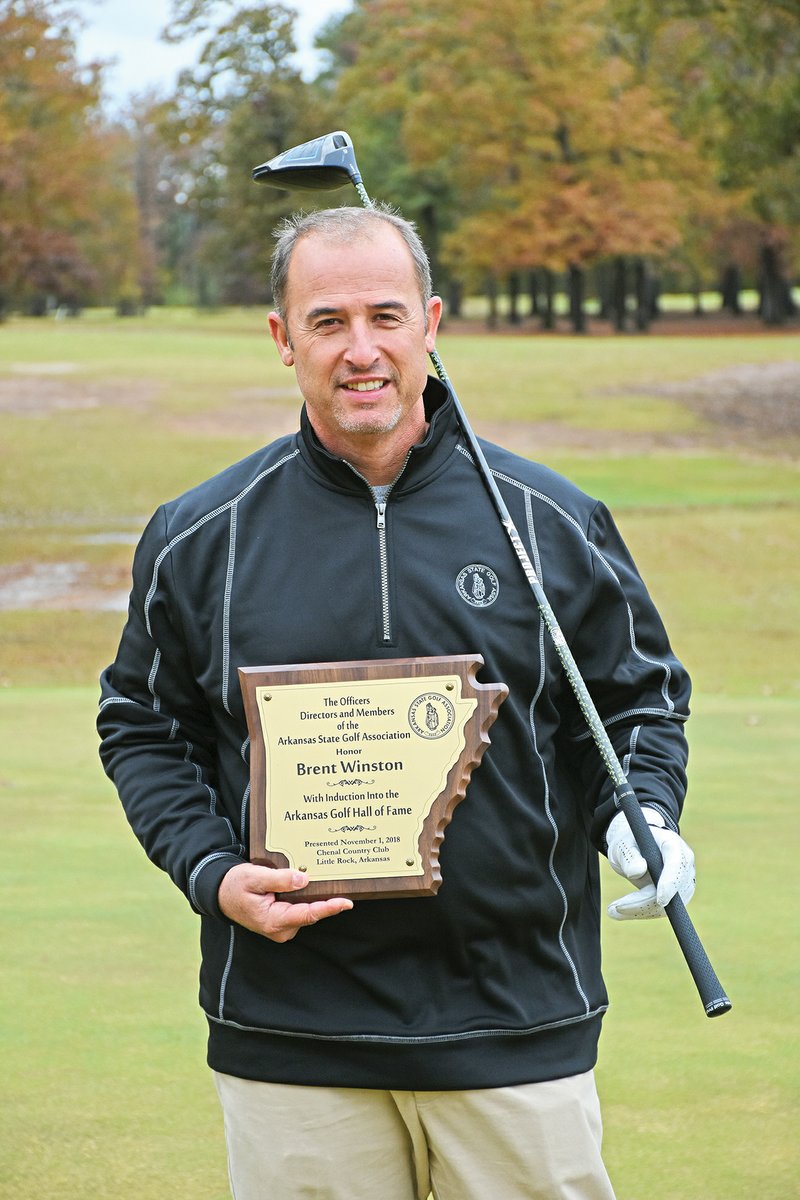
<point x="610" y="147"/>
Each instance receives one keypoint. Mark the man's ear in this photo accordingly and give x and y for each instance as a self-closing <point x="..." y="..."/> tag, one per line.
<point x="434" y="316"/>
<point x="280" y="336"/>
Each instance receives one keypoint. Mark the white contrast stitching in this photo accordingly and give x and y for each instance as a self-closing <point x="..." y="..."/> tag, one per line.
<point x="179" y="537"/>
<point x="545" y="781"/>
<point x="224" y="981"/>
<point x="226" y="611"/>
<point x="151" y="680"/>
<point x="634" y="738"/>
<point x="431" y="1039"/>
<point x="204" y="862"/>
<point x="632" y="712"/>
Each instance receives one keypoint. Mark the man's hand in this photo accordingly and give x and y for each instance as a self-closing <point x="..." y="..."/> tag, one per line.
<point x="625" y="857"/>
<point x="247" y="895"/>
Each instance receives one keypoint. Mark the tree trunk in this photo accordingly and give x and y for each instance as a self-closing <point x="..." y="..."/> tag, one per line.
<point x="603" y="285"/>
<point x="575" y="283"/>
<point x="491" y="293"/>
<point x="533" y="293"/>
<point x="619" y="296"/>
<point x="548" y="311"/>
<point x="513" y="298"/>
<point x="455" y="297"/>
<point x="772" y="306"/>
<point x="729" y="288"/>
<point x="642" y="286"/>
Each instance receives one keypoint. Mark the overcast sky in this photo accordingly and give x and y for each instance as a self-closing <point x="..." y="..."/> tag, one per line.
<point x="128" y="32"/>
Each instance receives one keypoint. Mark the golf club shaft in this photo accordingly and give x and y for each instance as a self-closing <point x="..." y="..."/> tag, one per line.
<point x="708" y="985"/>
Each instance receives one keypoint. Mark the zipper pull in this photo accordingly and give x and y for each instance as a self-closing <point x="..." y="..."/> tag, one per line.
<point x="381" y="508"/>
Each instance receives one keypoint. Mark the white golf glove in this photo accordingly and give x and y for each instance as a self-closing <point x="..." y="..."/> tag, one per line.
<point x="625" y="857"/>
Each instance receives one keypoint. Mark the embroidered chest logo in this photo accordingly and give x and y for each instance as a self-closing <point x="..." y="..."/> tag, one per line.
<point x="478" y="585"/>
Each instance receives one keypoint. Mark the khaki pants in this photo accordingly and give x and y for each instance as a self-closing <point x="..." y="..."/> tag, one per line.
<point x="537" y="1141"/>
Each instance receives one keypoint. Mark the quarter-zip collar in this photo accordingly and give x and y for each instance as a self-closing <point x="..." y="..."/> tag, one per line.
<point x="424" y="459"/>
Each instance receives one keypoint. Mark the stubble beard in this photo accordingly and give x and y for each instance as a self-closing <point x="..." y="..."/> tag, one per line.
<point x="366" y="422"/>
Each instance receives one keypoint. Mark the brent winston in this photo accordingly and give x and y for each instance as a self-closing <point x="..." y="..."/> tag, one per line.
<point x="347" y="768"/>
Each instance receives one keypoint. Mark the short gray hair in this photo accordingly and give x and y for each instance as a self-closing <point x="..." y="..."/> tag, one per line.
<point x="344" y="224"/>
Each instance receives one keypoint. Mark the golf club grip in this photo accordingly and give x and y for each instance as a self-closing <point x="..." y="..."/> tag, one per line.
<point x="708" y="985"/>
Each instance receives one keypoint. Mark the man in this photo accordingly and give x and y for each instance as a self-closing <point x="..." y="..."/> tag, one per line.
<point x="390" y="1047"/>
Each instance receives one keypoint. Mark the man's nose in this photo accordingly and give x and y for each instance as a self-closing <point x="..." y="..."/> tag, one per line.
<point x="361" y="351"/>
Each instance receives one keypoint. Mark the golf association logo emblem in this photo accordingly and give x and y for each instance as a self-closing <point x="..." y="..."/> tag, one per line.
<point x="478" y="585"/>
<point x="431" y="715"/>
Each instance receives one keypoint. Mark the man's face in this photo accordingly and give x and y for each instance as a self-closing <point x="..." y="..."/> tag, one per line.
<point x="357" y="335"/>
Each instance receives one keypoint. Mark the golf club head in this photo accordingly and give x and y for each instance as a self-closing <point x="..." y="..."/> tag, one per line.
<point x="326" y="163"/>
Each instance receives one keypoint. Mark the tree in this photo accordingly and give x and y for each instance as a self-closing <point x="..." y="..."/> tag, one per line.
<point x="242" y="104"/>
<point x="559" y="155"/>
<point x="729" y="72"/>
<point x="66" y="216"/>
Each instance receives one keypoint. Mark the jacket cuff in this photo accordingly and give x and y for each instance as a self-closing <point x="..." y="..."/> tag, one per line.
<point x="670" y="822"/>
<point x="205" y="880"/>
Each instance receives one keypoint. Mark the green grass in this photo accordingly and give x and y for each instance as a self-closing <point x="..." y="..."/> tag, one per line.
<point x="707" y="1108"/>
<point x="106" y="1090"/>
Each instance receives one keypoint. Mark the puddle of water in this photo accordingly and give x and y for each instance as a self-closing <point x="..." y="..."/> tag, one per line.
<point x="44" y="368"/>
<point x="56" y="586"/>
<point x="110" y="539"/>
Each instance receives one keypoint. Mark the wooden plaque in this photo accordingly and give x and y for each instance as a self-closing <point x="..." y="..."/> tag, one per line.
<point x="356" y="768"/>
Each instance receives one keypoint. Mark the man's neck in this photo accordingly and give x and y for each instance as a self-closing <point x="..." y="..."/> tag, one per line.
<point x="378" y="457"/>
<point x="382" y="468"/>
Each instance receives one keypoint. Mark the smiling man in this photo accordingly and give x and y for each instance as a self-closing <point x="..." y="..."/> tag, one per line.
<point x="357" y="326"/>
<point x="382" y="1050"/>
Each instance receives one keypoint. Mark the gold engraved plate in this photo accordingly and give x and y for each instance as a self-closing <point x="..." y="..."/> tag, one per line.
<point x="356" y="768"/>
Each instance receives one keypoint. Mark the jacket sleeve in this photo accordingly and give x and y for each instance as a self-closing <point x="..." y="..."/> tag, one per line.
<point x="639" y="687"/>
<point x="158" y="739"/>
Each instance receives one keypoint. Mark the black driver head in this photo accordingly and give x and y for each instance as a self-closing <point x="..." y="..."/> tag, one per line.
<point x="324" y="164"/>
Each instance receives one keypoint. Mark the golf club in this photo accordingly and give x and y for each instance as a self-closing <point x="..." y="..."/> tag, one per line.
<point x="329" y="162"/>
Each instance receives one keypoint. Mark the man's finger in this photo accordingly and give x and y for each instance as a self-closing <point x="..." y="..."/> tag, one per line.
<point x="636" y="906"/>
<point x="677" y="874"/>
<point x="264" y="880"/>
<point x="284" y="920"/>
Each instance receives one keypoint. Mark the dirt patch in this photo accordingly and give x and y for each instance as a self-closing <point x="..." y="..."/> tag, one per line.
<point x="40" y="393"/>
<point x="534" y="439"/>
<point x="762" y="399"/>
<point x="756" y="405"/>
<point x="260" y="414"/>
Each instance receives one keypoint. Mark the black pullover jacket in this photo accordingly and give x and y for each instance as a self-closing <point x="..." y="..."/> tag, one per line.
<point x="287" y="557"/>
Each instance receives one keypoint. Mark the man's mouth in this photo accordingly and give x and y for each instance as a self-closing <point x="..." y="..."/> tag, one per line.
<point x="364" y="385"/>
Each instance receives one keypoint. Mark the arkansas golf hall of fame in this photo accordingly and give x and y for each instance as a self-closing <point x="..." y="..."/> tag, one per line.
<point x="356" y="768"/>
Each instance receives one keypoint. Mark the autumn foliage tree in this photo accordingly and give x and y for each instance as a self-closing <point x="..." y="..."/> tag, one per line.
<point x="67" y="228"/>
<point x="730" y="74"/>
<point x="561" y="157"/>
